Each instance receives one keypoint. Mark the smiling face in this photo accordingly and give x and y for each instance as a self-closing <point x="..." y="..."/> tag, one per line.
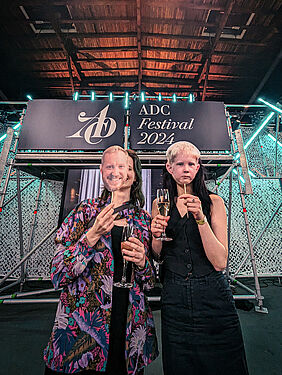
<point x="183" y="168"/>
<point x="114" y="169"/>
<point x="130" y="175"/>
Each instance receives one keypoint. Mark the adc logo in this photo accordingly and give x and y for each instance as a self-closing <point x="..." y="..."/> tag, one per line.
<point x="97" y="127"/>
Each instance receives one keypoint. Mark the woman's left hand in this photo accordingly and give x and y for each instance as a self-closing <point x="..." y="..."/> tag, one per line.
<point x="193" y="205"/>
<point x="134" y="251"/>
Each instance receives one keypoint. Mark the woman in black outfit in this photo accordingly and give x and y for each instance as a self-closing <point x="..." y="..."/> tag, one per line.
<point x="100" y="328"/>
<point x="201" y="333"/>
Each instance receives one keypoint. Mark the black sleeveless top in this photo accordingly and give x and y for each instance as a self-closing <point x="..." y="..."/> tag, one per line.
<point x="185" y="254"/>
<point x="116" y="358"/>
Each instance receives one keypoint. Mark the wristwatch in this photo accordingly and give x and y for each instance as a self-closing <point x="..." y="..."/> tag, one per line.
<point x="202" y="221"/>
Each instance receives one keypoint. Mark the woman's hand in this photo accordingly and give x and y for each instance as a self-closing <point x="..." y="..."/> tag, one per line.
<point x="193" y="205"/>
<point x="158" y="225"/>
<point x="103" y="224"/>
<point x="133" y="250"/>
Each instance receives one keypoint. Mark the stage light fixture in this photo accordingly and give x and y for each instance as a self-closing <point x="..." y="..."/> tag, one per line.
<point x="75" y="96"/>
<point x="274" y="139"/>
<point x="111" y="97"/>
<point x="29" y="97"/>
<point x="142" y="96"/>
<point x="270" y="105"/>
<point x="191" y="98"/>
<point x="126" y="100"/>
<point x="174" y="98"/>
<point x="160" y="97"/>
<point x="92" y="96"/>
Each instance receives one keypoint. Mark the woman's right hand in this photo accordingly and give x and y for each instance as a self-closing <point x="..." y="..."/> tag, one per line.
<point x="158" y="225"/>
<point x="103" y="224"/>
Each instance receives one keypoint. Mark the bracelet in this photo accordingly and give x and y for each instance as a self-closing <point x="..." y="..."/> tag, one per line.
<point x="202" y="221"/>
<point x="155" y="236"/>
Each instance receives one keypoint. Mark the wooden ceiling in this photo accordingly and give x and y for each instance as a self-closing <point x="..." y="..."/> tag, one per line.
<point x="219" y="49"/>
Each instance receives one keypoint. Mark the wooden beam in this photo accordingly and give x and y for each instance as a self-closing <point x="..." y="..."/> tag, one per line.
<point x="145" y="20"/>
<point x="207" y="62"/>
<point x="147" y="69"/>
<point x="133" y="48"/>
<point x="154" y="3"/>
<point x="150" y="59"/>
<point x="74" y="36"/>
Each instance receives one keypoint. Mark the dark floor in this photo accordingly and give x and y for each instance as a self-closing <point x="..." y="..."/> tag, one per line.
<point x="25" y="329"/>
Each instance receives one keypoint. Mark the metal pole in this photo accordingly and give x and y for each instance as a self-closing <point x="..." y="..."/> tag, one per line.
<point x="22" y="277"/>
<point x="5" y="151"/>
<point x="276" y="143"/>
<point x="260" y="307"/>
<point x="126" y="129"/>
<point x="229" y="224"/>
<point x="30" y="238"/>
<point x="223" y="177"/>
<point x="28" y="255"/>
<point x="10" y="286"/>
<point x="3" y="192"/>
<point x="31" y="300"/>
<point x="35" y="292"/>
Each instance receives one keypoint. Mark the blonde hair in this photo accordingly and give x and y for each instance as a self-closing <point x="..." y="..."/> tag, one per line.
<point x="182" y="146"/>
<point x="112" y="149"/>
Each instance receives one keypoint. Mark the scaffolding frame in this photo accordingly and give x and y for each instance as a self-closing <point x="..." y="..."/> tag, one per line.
<point x="93" y="159"/>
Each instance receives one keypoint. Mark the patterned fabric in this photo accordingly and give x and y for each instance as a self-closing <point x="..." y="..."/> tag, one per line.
<point x="80" y="336"/>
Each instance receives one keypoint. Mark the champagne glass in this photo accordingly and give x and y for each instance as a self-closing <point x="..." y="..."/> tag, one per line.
<point x="163" y="203"/>
<point x="128" y="231"/>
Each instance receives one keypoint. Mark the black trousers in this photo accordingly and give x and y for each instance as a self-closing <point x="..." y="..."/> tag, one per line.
<point x="201" y="333"/>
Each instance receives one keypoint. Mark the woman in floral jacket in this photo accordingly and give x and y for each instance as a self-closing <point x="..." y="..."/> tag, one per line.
<point x="83" y="339"/>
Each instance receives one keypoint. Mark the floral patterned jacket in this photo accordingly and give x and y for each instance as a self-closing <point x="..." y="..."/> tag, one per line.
<point x="80" y="336"/>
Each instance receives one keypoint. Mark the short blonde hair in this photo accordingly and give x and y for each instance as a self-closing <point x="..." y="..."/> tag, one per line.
<point x="113" y="149"/>
<point x="182" y="146"/>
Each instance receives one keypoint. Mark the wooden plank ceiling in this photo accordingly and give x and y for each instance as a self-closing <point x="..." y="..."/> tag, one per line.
<point x="218" y="49"/>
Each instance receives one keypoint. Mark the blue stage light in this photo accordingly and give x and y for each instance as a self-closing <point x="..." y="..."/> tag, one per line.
<point x="160" y="97"/>
<point x="75" y="96"/>
<point x="111" y="97"/>
<point x="266" y="121"/>
<point x="142" y="96"/>
<point x="174" y="98"/>
<point x="191" y="98"/>
<point x="270" y="105"/>
<point x="17" y="126"/>
<point x="29" y="97"/>
<point x="126" y="100"/>
<point x="92" y="96"/>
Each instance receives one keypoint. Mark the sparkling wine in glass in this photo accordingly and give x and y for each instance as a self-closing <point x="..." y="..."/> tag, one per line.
<point x="128" y="231"/>
<point x="163" y="203"/>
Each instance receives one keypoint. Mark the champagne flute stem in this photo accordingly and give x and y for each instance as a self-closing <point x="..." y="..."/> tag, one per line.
<point x="123" y="279"/>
